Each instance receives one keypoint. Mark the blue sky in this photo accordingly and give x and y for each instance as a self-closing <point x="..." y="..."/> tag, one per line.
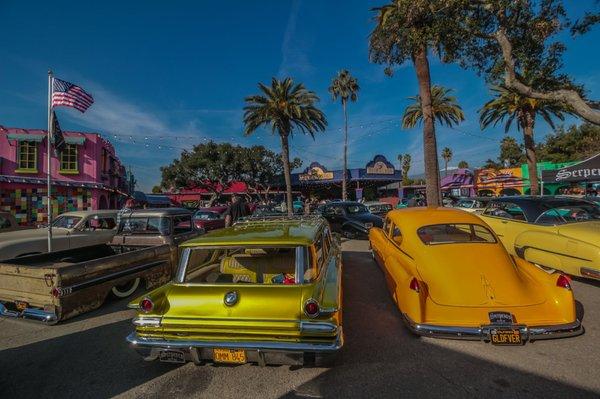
<point x="171" y="74"/>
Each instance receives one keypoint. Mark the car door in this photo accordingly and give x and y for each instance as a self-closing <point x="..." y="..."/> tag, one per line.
<point x="395" y="260"/>
<point x="93" y="230"/>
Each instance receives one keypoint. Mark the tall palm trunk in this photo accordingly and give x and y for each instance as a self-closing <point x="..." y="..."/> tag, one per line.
<point x="530" y="153"/>
<point x="345" y="174"/>
<point x="445" y="168"/>
<point x="285" y="158"/>
<point x="432" y="174"/>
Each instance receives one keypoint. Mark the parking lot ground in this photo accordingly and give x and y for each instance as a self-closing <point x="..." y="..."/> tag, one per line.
<point x="88" y="357"/>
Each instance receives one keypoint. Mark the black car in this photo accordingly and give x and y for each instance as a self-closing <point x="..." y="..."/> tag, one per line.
<point x="351" y="219"/>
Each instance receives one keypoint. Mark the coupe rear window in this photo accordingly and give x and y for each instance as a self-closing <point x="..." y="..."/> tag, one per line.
<point x="455" y="233"/>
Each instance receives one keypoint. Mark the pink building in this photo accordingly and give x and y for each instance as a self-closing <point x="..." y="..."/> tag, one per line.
<point x="86" y="175"/>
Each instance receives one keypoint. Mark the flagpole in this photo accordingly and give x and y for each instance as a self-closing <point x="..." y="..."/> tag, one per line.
<point x="49" y="155"/>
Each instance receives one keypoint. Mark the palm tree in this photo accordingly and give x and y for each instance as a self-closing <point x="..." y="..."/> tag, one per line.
<point x="284" y="106"/>
<point x="400" y="160"/>
<point x="447" y="156"/>
<point x="463" y="165"/>
<point x="445" y="109"/>
<point x="508" y="105"/>
<point x="405" y="168"/>
<point x="344" y="86"/>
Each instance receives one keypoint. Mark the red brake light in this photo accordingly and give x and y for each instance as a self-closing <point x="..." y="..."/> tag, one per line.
<point x="311" y="308"/>
<point x="146" y="305"/>
<point x="414" y="285"/>
<point x="55" y="292"/>
<point x="563" y="282"/>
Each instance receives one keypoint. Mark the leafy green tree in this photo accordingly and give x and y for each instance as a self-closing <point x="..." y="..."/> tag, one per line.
<point x="345" y="87"/>
<point x="405" y="168"/>
<point x="491" y="164"/>
<point x="210" y="166"/>
<point x="156" y="190"/>
<point x="261" y="169"/>
<point x="405" y="31"/>
<point x="508" y="106"/>
<point x="446" y="109"/>
<point x="511" y="153"/>
<point x="446" y="156"/>
<point x="571" y="144"/>
<point x="285" y="107"/>
<point x="463" y="165"/>
<point x="506" y="40"/>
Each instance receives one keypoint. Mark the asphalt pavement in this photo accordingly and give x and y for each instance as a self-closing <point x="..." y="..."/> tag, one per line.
<point x="88" y="357"/>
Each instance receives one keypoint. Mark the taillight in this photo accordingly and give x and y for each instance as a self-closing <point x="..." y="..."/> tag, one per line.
<point x="563" y="282"/>
<point x="55" y="292"/>
<point x="414" y="285"/>
<point x="146" y="305"/>
<point x="311" y="308"/>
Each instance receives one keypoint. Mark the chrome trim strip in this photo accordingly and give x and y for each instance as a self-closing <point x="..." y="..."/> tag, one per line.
<point x="103" y="279"/>
<point x="529" y="333"/>
<point x="266" y="346"/>
<point x="29" y="314"/>
<point x="183" y="261"/>
<point x="591" y="273"/>
<point x="146" y="321"/>
<point x="317" y="327"/>
<point x="299" y="266"/>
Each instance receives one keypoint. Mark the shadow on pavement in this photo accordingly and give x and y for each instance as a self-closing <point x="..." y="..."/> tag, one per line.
<point x="93" y="363"/>
<point x="382" y="359"/>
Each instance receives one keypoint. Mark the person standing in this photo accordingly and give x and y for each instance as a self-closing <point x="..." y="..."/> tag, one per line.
<point x="236" y="210"/>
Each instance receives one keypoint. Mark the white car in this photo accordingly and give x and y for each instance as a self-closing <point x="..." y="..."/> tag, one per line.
<point x="69" y="230"/>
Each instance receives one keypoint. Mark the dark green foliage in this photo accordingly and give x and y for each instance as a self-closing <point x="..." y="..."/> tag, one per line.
<point x="571" y="144"/>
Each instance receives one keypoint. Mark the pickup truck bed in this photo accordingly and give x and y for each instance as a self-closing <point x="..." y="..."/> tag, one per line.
<point x="56" y="286"/>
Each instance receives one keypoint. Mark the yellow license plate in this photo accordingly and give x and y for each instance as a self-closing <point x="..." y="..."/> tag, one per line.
<point x="506" y="337"/>
<point x="236" y="356"/>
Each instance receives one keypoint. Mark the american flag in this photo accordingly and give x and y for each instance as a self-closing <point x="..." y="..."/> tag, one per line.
<point x="69" y="95"/>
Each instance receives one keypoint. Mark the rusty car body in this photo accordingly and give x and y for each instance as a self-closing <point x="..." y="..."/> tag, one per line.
<point x="59" y="285"/>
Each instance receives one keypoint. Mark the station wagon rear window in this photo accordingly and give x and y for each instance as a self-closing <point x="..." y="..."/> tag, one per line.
<point x="246" y="265"/>
<point x="455" y="233"/>
<point x="145" y="225"/>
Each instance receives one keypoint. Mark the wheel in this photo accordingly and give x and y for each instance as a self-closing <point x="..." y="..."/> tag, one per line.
<point x="125" y="290"/>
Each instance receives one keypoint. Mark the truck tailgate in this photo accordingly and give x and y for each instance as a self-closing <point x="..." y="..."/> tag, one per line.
<point x="28" y="284"/>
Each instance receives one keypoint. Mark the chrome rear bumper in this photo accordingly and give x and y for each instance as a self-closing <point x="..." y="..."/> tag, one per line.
<point x="29" y="314"/>
<point x="482" y="333"/>
<point x="257" y="351"/>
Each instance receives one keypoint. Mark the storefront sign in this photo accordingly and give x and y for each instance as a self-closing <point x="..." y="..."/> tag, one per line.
<point x="316" y="173"/>
<point x="588" y="170"/>
<point x="380" y="168"/>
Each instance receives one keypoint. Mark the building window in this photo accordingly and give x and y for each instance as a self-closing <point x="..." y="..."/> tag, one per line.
<point x="27" y="156"/>
<point x="68" y="159"/>
<point x="104" y="160"/>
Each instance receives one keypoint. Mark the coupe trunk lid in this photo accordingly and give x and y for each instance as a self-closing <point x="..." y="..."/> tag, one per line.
<point x="476" y="275"/>
<point x="588" y="232"/>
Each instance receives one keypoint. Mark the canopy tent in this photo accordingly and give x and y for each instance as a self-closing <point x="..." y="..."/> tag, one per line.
<point x="584" y="171"/>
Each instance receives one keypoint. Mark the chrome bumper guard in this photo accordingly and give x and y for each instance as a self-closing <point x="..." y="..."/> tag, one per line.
<point x="482" y="333"/>
<point x="258" y="351"/>
<point x="29" y="314"/>
<point x="267" y="346"/>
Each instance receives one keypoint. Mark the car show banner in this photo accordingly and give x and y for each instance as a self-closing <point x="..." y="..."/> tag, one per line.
<point x="588" y="170"/>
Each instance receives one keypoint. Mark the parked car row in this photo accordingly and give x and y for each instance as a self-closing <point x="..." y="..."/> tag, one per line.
<point x="452" y="274"/>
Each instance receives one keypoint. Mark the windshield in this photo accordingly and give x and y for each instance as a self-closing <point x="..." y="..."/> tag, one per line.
<point x="358" y="208"/>
<point x="206" y="216"/>
<point x="580" y="212"/>
<point x="455" y="233"/>
<point x="145" y="225"/>
<point x="465" y="204"/>
<point x="66" y="222"/>
<point x="245" y="265"/>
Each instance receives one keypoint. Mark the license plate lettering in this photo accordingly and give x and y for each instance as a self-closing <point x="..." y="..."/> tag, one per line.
<point x="236" y="356"/>
<point x="506" y="337"/>
<point x="171" y="356"/>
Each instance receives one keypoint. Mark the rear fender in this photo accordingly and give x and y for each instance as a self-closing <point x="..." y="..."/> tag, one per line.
<point x="408" y="301"/>
<point x="158" y="296"/>
<point x="560" y="298"/>
<point x="327" y="290"/>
